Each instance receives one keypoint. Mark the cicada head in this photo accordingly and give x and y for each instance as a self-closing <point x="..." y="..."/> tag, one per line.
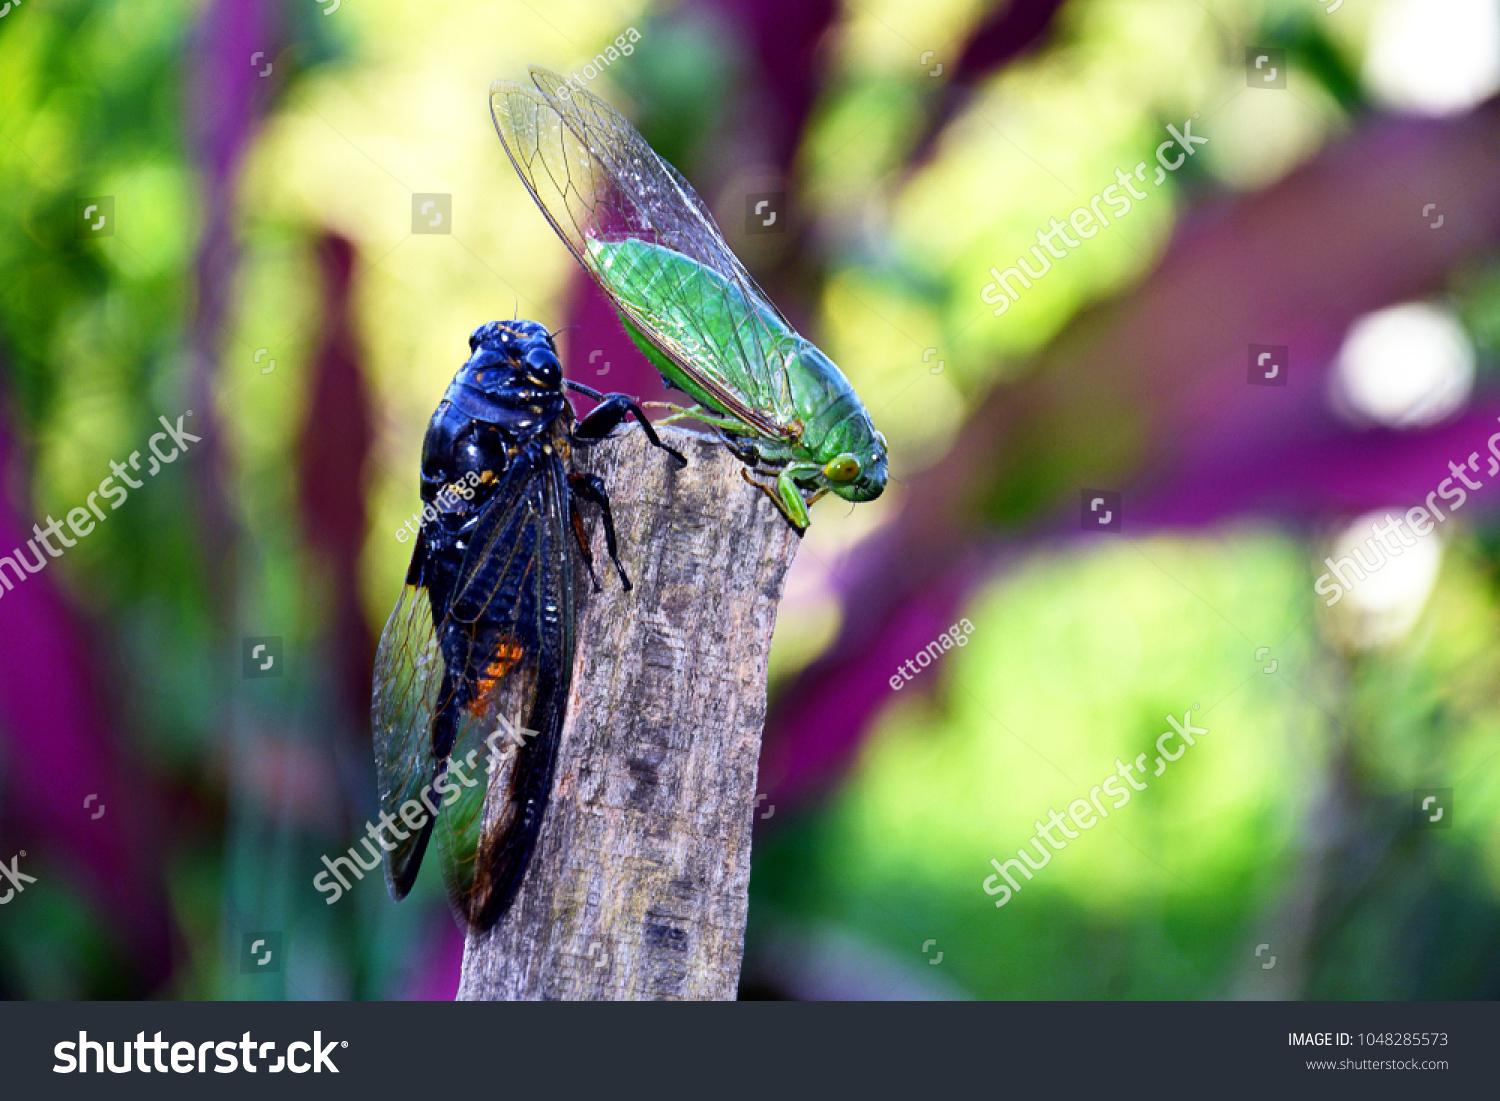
<point x="508" y="353"/>
<point x="858" y="475"/>
<point x="512" y="380"/>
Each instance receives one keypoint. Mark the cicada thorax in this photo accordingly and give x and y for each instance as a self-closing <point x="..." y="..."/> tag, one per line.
<point x="496" y="412"/>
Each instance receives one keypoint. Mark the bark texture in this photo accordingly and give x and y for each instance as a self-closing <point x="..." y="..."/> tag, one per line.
<point x="638" y="886"/>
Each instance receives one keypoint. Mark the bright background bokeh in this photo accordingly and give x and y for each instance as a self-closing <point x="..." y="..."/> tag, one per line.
<point x="263" y="270"/>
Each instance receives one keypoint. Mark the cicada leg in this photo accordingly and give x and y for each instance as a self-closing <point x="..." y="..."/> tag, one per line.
<point x="697" y="413"/>
<point x="786" y="495"/>
<point x="609" y="413"/>
<point x="581" y="536"/>
<point x="591" y="488"/>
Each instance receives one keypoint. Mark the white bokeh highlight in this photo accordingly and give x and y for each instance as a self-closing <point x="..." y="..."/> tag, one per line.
<point x="1381" y="608"/>
<point x="1403" y="367"/>
<point x="1433" y="57"/>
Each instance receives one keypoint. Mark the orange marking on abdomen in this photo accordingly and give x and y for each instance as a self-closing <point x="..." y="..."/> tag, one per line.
<point x="506" y="656"/>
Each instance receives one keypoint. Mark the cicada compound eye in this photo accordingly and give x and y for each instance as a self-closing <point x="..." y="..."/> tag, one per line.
<point x="845" y="468"/>
<point x="544" y="365"/>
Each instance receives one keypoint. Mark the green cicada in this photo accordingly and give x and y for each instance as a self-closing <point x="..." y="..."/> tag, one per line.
<point x="687" y="302"/>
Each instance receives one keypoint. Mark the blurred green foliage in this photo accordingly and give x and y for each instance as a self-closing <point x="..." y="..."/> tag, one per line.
<point x="1078" y="655"/>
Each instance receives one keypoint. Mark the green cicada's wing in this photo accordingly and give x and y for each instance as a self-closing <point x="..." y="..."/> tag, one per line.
<point x="472" y="706"/>
<point x="650" y="243"/>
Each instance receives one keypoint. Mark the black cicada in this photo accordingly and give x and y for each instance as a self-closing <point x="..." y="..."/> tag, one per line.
<point x="474" y="666"/>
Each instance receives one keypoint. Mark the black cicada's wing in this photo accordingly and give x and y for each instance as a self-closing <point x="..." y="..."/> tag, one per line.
<point x="603" y="187"/>
<point x="508" y="643"/>
<point x="408" y="678"/>
<point x="474" y="703"/>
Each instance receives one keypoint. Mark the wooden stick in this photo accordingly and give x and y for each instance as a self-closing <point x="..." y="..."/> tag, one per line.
<point x="638" y="885"/>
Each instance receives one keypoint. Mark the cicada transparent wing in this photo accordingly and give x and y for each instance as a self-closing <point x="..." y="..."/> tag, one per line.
<point x="408" y="679"/>
<point x="603" y="187"/>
